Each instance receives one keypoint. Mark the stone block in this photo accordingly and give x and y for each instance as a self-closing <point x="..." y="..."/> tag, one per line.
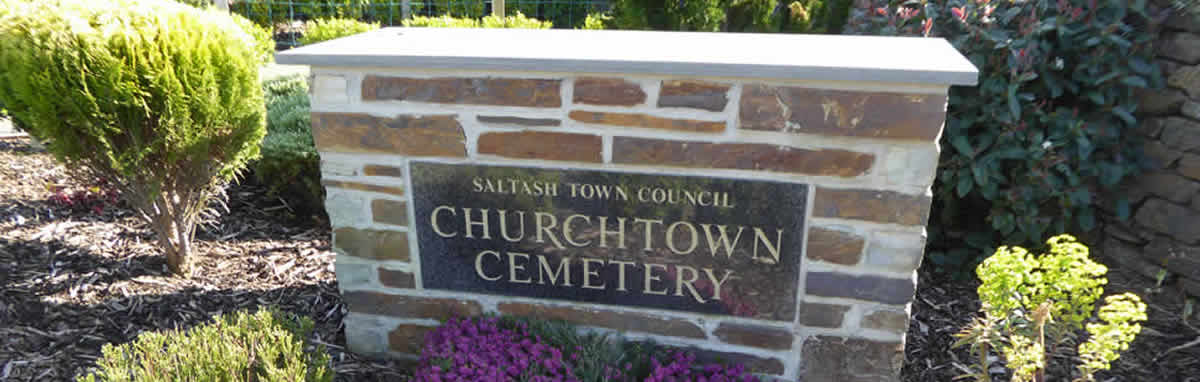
<point x="542" y="145"/>
<point x="518" y="121"/>
<point x="895" y="321"/>
<point x="329" y="89"/>
<point x="345" y="209"/>
<point x="821" y="315"/>
<point x="753" y="363"/>
<point x="838" y="246"/>
<point x="622" y="321"/>
<point x="860" y="287"/>
<point x="392" y="305"/>
<point x="522" y="92"/>
<point x="1190" y="109"/>
<point x="1168" y="186"/>
<point x="896" y="251"/>
<point x="1186" y="78"/>
<point x="353" y="275"/>
<point x="871" y="205"/>
<point x="608" y="91"/>
<point x="837" y="359"/>
<point x="397" y="279"/>
<point x="408" y="339"/>
<point x="1160" y="156"/>
<point x="842" y="113"/>
<point x="389" y="211"/>
<point x="693" y="94"/>
<point x="1181" y="133"/>
<point x="1160" y="101"/>
<point x="371" y="244"/>
<point x="647" y="121"/>
<point x="741" y="156"/>
<point x="1128" y="257"/>
<point x="1181" y="46"/>
<point x="339" y="168"/>
<point x="365" y="335"/>
<point x="911" y="166"/>
<point x="1169" y="218"/>
<point x="381" y="170"/>
<point x="1189" y="166"/>
<point x="755" y="336"/>
<point x="410" y="135"/>
<point x="1183" y="260"/>
<point x="394" y="190"/>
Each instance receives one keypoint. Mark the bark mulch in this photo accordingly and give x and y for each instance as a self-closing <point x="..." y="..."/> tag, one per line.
<point x="73" y="279"/>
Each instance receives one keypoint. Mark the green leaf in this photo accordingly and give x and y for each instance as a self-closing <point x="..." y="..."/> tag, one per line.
<point x="960" y="143"/>
<point x="1119" y="41"/>
<point x="1135" y="81"/>
<point x="1014" y="106"/>
<point x="1087" y="219"/>
<point x="1095" y="97"/>
<point x="1140" y="65"/>
<point x="964" y="186"/>
<point x="1124" y="115"/>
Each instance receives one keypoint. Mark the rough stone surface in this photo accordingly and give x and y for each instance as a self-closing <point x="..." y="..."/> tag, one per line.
<point x="1189" y="166"/>
<point x="871" y="205"/>
<point x="754" y="336"/>
<point x="397" y="279"/>
<point x="381" y="170"/>
<point x="1181" y="46"/>
<point x="1191" y="109"/>
<point x="836" y="359"/>
<point x="1160" y="101"/>
<point x="519" y="121"/>
<point x="842" y="113"/>
<point x="337" y="168"/>
<point x="834" y="246"/>
<point x="436" y="135"/>
<point x="1169" y="186"/>
<point x="394" y="190"/>
<point x="701" y="95"/>
<point x="344" y="209"/>
<point x="409" y="306"/>
<point x="821" y="315"/>
<point x="1186" y="78"/>
<point x="1159" y="155"/>
<point x="371" y="244"/>
<point x="364" y="336"/>
<point x="895" y="321"/>
<point x="353" y="275"/>
<point x="896" y="251"/>
<point x="473" y="91"/>
<point x="542" y="145"/>
<point x="1181" y="133"/>
<point x="407" y="339"/>
<point x="634" y="322"/>
<point x="608" y="91"/>
<point x="647" y="121"/>
<point x="860" y="287"/>
<point x="1183" y="260"/>
<point x="1129" y="257"/>
<point x="741" y="156"/>
<point x="1171" y="219"/>
<point x="388" y="211"/>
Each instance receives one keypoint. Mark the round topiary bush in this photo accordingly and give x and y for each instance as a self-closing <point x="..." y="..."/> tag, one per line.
<point x="160" y="99"/>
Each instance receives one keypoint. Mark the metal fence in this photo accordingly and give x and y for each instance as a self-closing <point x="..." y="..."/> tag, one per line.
<point x="286" y="16"/>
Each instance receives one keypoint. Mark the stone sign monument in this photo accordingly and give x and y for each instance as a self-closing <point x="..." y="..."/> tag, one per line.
<point x="754" y="198"/>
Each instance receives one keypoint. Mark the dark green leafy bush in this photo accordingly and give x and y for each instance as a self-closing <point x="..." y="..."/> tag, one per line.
<point x="167" y="107"/>
<point x="260" y="347"/>
<point x="799" y="16"/>
<point x="1050" y="125"/>
<point x="561" y="13"/>
<point x="328" y="29"/>
<point x="290" y="165"/>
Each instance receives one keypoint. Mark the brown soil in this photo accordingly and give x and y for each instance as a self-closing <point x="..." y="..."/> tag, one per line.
<point x="72" y="280"/>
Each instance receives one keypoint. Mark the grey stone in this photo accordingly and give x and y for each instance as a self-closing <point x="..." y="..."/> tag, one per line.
<point x="1122" y="232"/>
<point x="365" y="335"/>
<point x="1184" y="21"/>
<point x="1160" y="156"/>
<point x="1160" y="101"/>
<point x="895" y="321"/>
<point x="822" y="315"/>
<point x="1172" y="219"/>
<point x="1181" y="46"/>
<point x="1169" y="186"/>
<point x="1151" y="127"/>
<point x="1183" y="260"/>
<point x="1186" y="78"/>
<point x="353" y="275"/>
<point x="1128" y="257"/>
<point x="1189" y="166"/>
<point x="1191" y="110"/>
<point x="861" y="287"/>
<point x="345" y="209"/>
<point x="1181" y="133"/>
<point x="897" y="251"/>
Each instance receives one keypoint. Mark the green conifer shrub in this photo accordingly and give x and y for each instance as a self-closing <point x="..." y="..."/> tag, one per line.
<point x="328" y="29"/>
<point x="160" y="99"/>
<point x="267" y="346"/>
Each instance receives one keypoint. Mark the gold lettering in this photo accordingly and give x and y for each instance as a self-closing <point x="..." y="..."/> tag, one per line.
<point x="564" y="269"/>
<point x="671" y="237"/>
<point x="648" y="286"/>
<point x="513" y="267"/>
<point x="504" y="225"/>
<point x="588" y="273"/>
<point x="760" y="236"/>
<point x="604" y="232"/>
<point x="433" y="221"/>
<point x="648" y="224"/>
<point x="479" y="265"/>
<point x="680" y="283"/>
<point x="478" y="186"/>
<point x="724" y="239"/>
<point x="483" y="222"/>
<point x="546" y="228"/>
<point x="566" y="230"/>
<point x="717" y="283"/>
<point x="621" y="273"/>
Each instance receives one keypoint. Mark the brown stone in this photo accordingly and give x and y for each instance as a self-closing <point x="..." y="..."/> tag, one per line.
<point x="379" y="170"/>
<point x="1189" y="166"/>
<point x="860" y="287"/>
<point x="408" y="339"/>
<point x="843" y="113"/>
<point x="822" y="315"/>
<point x="506" y="120"/>
<point x="372" y="244"/>
<point x="837" y="359"/>
<point x="741" y="156"/>
<point x="397" y="279"/>
<point x="1183" y="260"/>
<point x="754" y="336"/>
<point x="542" y="145"/>
<point x="1160" y="156"/>
<point x="1160" y="101"/>
<point x="693" y="94"/>
<point x="1181" y="133"/>
<point x="871" y="205"/>
<point x="1172" y="219"/>
<point x="647" y="121"/>
<point x="1168" y="186"/>
<point x="834" y="246"/>
<point x="634" y="322"/>
<point x="401" y="306"/>
<point x="1128" y="257"/>
<point x="1187" y="79"/>
<point x="437" y="135"/>
<point x="608" y="91"/>
<point x="474" y="91"/>
<point x="889" y="320"/>
<point x="389" y="212"/>
<point x="753" y="364"/>
<point x="395" y="190"/>
<point x="1181" y="46"/>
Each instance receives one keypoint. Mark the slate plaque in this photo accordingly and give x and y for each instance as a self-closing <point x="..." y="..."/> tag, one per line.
<point x="698" y="244"/>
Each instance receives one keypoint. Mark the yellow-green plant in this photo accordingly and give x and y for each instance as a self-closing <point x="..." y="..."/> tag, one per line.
<point x="516" y="21"/>
<point x="1035" y="304"/>
<point x="328" y="29"/>
<point x="158" y="98"/>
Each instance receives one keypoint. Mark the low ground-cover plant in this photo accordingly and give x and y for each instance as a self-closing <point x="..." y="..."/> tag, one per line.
<point x="1036" y="306"/>
<point x="524" y="349"/>
<point x="1049" y="127"/>
<point x="328" y="29"/>
<point x="167" y="105"/>
<point x="244" y="347"/>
